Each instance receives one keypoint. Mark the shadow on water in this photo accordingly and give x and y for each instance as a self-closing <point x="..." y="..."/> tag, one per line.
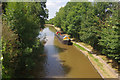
<point x="49" y="64"/>
<point x="53" y="68"/>
<point x="39" y="69"/>
<point x="66" y="68"/>
<point x="57" y="48"/>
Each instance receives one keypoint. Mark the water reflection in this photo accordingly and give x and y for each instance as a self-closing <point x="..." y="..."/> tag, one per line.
<point x="53" y="67"/>
<point x="63" y="60"/>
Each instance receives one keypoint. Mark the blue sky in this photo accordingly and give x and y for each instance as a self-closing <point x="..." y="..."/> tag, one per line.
<point x="54" y="5"/>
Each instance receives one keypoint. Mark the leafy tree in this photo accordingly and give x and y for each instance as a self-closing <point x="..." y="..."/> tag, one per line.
<point x="95" y="23"/>
<point x="24" y="20"/>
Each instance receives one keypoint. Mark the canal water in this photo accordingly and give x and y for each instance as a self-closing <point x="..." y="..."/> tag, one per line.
<point x="64" y="61"/>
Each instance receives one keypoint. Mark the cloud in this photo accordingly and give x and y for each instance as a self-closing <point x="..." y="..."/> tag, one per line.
<point x="58" y="0"/>
<point x="54" y="5"/>
<point x="59" y="7"/>
<point x="50" y="4"/>
<point x="91" y="0"/>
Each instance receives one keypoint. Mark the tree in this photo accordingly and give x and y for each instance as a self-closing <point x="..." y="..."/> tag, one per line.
<point x="23" y="22"/>
<point x="95" y="23"/>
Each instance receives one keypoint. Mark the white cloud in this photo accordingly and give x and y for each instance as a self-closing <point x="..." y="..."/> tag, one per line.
<point x="54" y="5"/>
<point x="49" y="4"/>
<point x="91" y="0"/>
<point x="60" y="7"/>
<point x="58" y="0"/>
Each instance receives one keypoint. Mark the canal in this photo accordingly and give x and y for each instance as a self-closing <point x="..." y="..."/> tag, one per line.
<point x="64" y="61"/>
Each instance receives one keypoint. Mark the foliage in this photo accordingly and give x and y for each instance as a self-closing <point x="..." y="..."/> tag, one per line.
<point x="95" y="23"/>
<point x="22" y="24"/>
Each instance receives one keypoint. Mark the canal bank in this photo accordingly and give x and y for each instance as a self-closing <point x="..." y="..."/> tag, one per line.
<point x="99" y="64"/>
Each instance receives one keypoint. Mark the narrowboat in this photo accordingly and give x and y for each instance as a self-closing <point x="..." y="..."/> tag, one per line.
<point x="63" y="38"/>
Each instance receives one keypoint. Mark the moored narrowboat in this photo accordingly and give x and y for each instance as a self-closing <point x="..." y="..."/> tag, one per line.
<point x="63" y="38"/>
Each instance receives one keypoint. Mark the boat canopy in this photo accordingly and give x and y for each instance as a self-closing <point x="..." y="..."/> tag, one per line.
<point x="66" y="37"/>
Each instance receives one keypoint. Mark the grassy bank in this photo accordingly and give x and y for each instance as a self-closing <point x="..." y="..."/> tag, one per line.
<point x="79" y="47"/>
<point x="90" y="55"/>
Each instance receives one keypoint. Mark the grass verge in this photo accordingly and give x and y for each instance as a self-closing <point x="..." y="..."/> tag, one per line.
<point x="97" y="62"/>
<point x="79" y="47"/>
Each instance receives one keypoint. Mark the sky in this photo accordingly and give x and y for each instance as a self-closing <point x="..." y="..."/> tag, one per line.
<point x="54" y="5"/>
